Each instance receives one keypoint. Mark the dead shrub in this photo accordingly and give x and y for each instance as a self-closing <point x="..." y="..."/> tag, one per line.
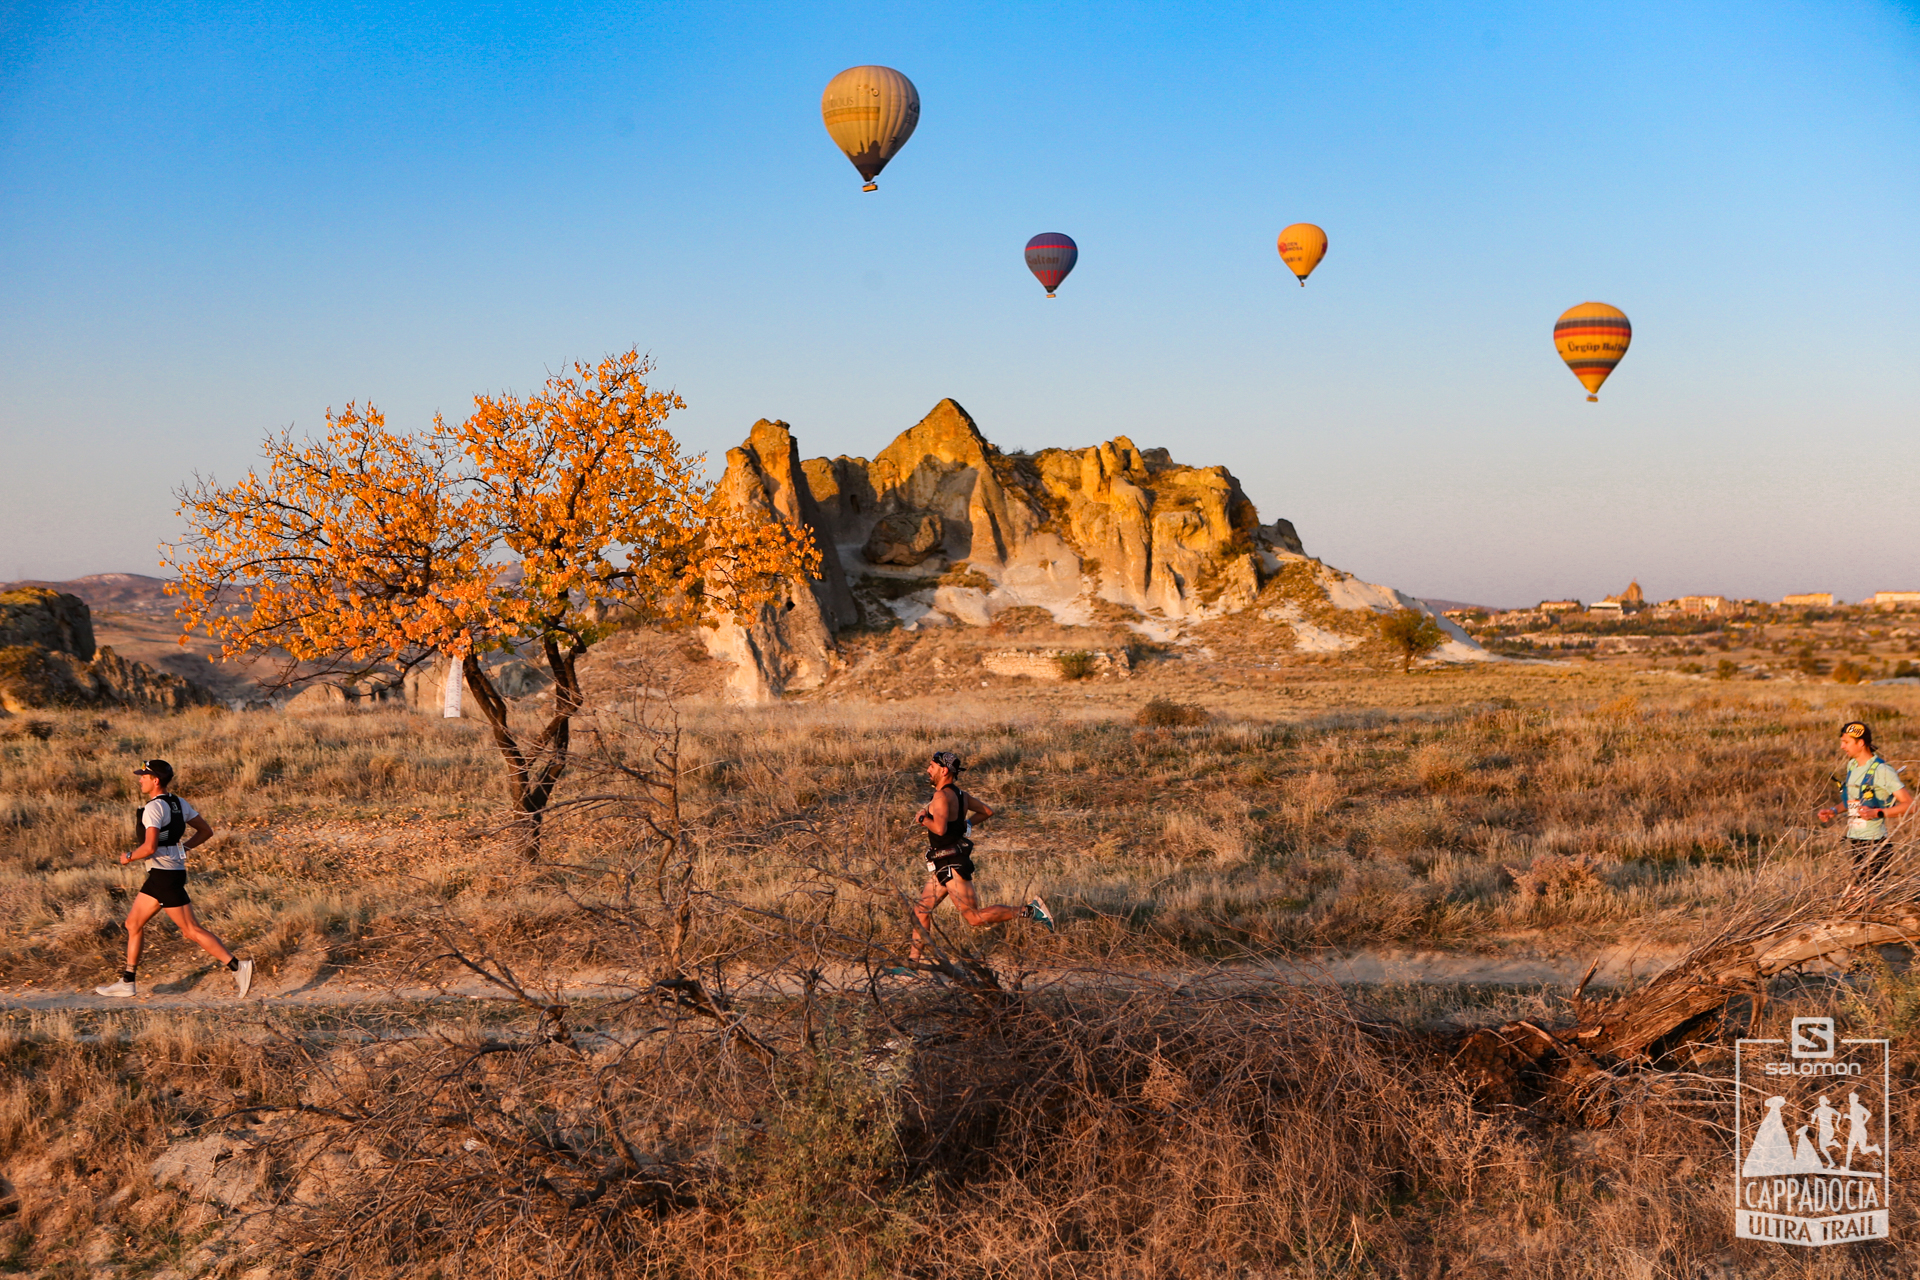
<point x="1553" y="876"/>
<point x="1309" y="797"/>
<point x="1438" y="766"/>
<point x="1164" y="713"/>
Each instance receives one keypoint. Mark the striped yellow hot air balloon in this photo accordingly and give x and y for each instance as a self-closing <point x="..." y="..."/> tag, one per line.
<point x="870" y="112"/>
<point x="1591" y="338"/>
<point x="1302" y="245"/>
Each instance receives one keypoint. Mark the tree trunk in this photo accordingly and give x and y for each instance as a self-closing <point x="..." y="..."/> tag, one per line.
<point x="1570" y="1069"/>
<point x="533" y="769"/>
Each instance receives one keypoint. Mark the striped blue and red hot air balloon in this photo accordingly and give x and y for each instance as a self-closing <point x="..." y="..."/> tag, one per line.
<point x="1050" y="256"/>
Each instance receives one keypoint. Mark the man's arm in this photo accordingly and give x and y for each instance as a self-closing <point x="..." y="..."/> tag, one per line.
<point x="146" y="848"/>
<point x="202" y="832"/>
<point x="976" y="807"/>
<point x="1902" y="801"/>
<point x="938" y="813"/>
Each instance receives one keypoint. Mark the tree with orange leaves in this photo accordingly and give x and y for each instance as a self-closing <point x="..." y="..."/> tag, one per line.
<point x="364" y="553"/>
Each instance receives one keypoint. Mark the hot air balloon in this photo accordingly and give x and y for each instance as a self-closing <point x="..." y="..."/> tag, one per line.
<point x="870" y="113"/>
<point x="1302" y="245"/>
<point x="1591" y="338"/>
<point x="1050" y="256"/>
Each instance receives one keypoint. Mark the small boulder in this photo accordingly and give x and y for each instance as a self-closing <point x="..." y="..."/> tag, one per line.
<point x="905" y="537"/>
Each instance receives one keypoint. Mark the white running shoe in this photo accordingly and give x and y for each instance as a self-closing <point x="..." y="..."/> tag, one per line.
<point x="243" y="978"/>
<point x="120" y="988"/>
<point x="1037" y="910"/>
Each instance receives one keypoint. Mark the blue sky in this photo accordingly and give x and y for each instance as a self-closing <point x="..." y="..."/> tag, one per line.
<point x="219" y="220"/>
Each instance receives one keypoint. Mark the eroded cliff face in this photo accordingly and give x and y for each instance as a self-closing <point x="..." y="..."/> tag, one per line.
<point x="789" y="643"/>
<point x="44" y="619"/>
<point x="1061" y="529"/>
<point x="941" y="527"/>
<point x="32" y="678"/>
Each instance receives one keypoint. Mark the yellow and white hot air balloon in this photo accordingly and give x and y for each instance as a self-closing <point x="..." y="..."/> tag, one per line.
<point x="870" y="112"/>
<point x="1302" y="245"/>
<point x="1591" y="338"/>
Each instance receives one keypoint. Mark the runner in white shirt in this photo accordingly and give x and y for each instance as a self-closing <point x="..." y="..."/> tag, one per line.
<point x="163" y="822"/>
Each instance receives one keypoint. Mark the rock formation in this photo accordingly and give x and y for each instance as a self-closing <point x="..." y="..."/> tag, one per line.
<point x="789" y="643"/>
<point x="40" y="618"/>
<point x="941" y="527"/>
<point x="48" y="659"/>
<point x="33" y="678"/>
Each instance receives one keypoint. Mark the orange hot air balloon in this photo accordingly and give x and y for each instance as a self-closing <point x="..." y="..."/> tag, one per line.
<point x="1302" y="245"/>
<point x="1591" y="338"/>
<point x="870" y="112"/>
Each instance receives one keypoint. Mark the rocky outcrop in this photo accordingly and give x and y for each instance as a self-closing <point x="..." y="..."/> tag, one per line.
<point x="941" y="528"/>
<point x="905" y="538"/>
<point x="41" y="618"/>
<point x="788" y="644"/>
<point x="1061" y="529"/>
<point x="32" y="679"/>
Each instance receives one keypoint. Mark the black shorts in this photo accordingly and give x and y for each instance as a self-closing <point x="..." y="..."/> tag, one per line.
<point x="946" y="868"/>
<point x="168" y="888"/>
<point x="1870" y="856"/>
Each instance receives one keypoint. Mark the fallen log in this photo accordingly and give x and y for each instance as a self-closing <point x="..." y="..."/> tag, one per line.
<point x="1574" y="1069"/>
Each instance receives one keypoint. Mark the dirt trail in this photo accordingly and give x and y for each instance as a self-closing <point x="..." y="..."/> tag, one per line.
<point x="311" y="985"/>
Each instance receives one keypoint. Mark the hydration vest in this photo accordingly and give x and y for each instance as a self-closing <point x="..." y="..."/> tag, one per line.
<point x="955" y="836"/>
<point x="176" y="822"/>
<point x="1869" y="794"/>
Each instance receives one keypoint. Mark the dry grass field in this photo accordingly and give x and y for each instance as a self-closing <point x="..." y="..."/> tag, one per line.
<point x="1160" y="1089"/>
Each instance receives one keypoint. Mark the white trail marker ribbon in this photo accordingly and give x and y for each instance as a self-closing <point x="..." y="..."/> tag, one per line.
<point x="450" y="699"/>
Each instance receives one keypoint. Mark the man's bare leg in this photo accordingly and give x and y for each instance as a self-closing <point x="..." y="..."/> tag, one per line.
<point x="923" y="916"/>
<point x="960" y="890"/>
<point x="197" y="933"/>
<point x="145" y="908"/>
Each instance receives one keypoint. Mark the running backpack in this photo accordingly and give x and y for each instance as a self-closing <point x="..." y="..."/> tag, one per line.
<point x="169" y="834"/>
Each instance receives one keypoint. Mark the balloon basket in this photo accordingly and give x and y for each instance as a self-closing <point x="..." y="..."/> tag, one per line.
<point x="871" y="186"/>
<point x="1049" y="294"/>
<point x="1593" y="399"/>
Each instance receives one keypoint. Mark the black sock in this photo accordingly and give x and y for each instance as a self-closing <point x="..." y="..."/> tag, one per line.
<point x="126" y="975"/>
<point x="233" y="964"/>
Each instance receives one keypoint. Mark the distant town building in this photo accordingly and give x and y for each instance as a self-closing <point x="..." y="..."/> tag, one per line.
<point x="1818" y="599"/>
<point x="1894" y="599"/>
<point x="1610" y="605"/>
<point x="1701" y="604"/>
<point x="1561" y="606"/>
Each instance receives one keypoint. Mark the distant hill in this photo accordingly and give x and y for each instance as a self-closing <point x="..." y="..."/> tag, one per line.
<point x="112" y="592"/>
<point x="1450" y="606"/>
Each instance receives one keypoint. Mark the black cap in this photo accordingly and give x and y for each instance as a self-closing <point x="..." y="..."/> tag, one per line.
<point x="158" y="768"/>
<point x="948" y="760"/>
